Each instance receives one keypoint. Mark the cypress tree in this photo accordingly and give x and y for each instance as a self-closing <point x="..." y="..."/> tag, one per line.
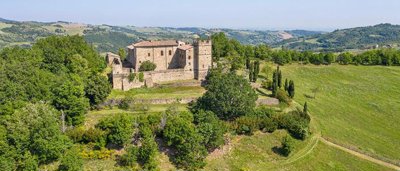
<point x="291" y="89"/>
<point x="251" y="72"/>
<point x="280" y="79"/>
<point x="256" y="70"/>
<point x="286" y="85"/>
<point x="247" y="63"/>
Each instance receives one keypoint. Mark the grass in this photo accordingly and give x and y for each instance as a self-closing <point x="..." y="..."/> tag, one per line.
<point x="357" y="106"/>
<point x="159" y="93"/>
<point x="256" y="153"/>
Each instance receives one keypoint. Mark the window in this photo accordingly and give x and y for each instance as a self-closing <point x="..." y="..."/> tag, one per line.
<point x="203" y="65"/>
<point x="170" y="52"/>
<point x="148" y="54"/>
<point x="189" y="63"/>
<point x="190" y="57"/>
<point x="140" y="61"/>
<point x="162" y="53"/>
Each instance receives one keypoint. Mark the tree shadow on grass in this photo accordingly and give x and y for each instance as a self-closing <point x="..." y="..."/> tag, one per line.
<point x="279" y="151"/>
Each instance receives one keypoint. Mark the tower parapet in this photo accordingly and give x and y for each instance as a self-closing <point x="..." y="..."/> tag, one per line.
<point x="203" y="57"/>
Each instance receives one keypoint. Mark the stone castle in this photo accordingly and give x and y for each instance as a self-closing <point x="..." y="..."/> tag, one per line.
<point x="174" y="60"/>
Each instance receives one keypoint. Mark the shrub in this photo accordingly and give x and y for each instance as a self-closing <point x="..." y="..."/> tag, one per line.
<point x="211" y="129"/>
<point x="287" y="145"/>
<point x="76" y="134"/>
<point x="71" y="161"/>
<point x="268" y="125"/>
<point x="125" y="103"/>
<point x="283" y="96"/>
<point x="131" y="77"/>
<point x="296" y="123"/>
<point x="118" y="129"/>
<point x="246" y="125"/>
<point x="141" y="76"/>
<point x="130" y="157"/>
<point x="147" y="66"/>
<point x="95" y="136"/>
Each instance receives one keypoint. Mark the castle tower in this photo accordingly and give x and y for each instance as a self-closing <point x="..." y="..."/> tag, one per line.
<point x="202" y="58"/>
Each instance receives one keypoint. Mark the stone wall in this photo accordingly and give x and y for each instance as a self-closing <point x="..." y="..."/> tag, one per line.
<point x="169" y="75"/>
<point x="164" y="57"/>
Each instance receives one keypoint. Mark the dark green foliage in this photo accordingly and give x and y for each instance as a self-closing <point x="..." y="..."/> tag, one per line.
<point x="286" y="86"/>
<point x="71" y="160"/>
<point x="29" y="162"/>
<point x="210" y="128"/>
<point x="251" y="72"/>
<point x="345" y="58"/>
<point x="130" y="157"/>
<point x="296" y="123"/>
<point x="70" y="99"/>
<point x="147" y="66"/>
<point x="148" y="150"/>
<point x="228" y="95"/>
<point x="287" y="145"/>
<point x="181" y="134"/>
<point x="24" y="136"/>
<point x="279" y="72"/>
<point x="246" y="125"/>
<point x="118" y="129"/>
<point x="97" y="89"/>
<point x="291" y="89"/>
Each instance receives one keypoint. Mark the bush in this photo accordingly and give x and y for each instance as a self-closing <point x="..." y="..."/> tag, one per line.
<point x="296" y="123"/>
<point x="118" y="129"/>
<point x="141" y="76"/>
<point x="71" y="161"/>
<point x="131" y="77"/>
<point x="246" y="125"/>
<point x="76" y="134"/>
<point x="148" y="150"/>
<point x="125" y="103"/>
<point x="287" y="145"/>
<point x="95" y="136"/>
<point x="283" y="96"/>
<point x="268" y="125"/>
<point x="130" y="157"/>
<point x="147" y="66"/>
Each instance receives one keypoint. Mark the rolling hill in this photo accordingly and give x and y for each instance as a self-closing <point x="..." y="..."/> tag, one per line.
<point x="110" y="38"/>
<point x="386" y="35"/>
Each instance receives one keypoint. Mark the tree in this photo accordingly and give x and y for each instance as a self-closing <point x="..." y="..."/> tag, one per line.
<point x="291" y="89"/>
<point x="211" y="129"/>
<point x="147" y="152"/>
<point x="122" y="54"/>
<point x="71" y="160"/>
<point x="70" y="98"/>
<point x="287" y="145"/>
<point x="279" y="77"/>
<point x="251" y="70"/>
<point x="97" y="89"/>
<point x="35" y="129"/>
<point x="345" y="58"/>
<point x="147" y="66"/>
<point x="130" y="157"/>
<point x="286" y="85"/>
<point x="181" y="134"/>
<point x="228" y="95"/>
<point x="329" y="58"/>
<point x="118" y="128"/>
<point x="256" y="70"/>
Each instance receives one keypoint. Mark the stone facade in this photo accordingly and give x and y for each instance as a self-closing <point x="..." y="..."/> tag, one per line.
<point x="175" y="60"/>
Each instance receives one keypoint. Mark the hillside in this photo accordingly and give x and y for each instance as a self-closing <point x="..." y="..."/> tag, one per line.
<point x="383" y="35"/>
<point x="110" y="38"/>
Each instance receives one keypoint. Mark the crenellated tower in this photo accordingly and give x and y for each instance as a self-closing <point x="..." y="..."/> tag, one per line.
<point x="202" y="58"/>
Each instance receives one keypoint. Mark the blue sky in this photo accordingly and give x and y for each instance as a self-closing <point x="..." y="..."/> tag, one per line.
<point x="253" y="14"/>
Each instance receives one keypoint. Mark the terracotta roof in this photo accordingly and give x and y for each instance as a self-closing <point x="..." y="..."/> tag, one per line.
<point x="156" y="43"/>
<point x="185" y="47"/>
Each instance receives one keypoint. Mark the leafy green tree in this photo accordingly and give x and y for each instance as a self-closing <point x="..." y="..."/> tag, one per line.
<point x="122" y="53"/>
<point x="329" y="58"/>
<point x="210" y="128"/>
<point x="29" y="162"/>
<point x="70" y="99"/>
<point x="181" y="134"/>
<point x="345" y="58"/>
<point x="228" y="95"/>
<point x="147" y="66"/>
<point x="130" y="157"/>
<point x="118" y="128"/>
<point x="235" y="60"/>
<point x="148" y="150"/>
<point x="36" y="129"/>
<point x="97" y="89"/>
<point x="71" y="160"/>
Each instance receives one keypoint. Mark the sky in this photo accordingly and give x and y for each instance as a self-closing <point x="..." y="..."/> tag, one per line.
<point x="240" y="14"/>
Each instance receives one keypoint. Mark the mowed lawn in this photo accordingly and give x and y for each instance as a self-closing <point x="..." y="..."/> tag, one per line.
<point x="256" y="153"/>
<point x="357" y="106"/>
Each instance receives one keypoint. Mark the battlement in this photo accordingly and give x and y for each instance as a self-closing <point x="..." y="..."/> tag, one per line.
<point x="202" y="42"/>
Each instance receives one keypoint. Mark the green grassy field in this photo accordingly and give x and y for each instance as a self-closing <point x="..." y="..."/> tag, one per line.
<point x="357" y="106"/>
<point x="159" y="93"/>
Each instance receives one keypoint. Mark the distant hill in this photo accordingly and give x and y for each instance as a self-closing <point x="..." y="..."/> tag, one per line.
<point x="110" y="38"/>
<point x="346" y="39"/>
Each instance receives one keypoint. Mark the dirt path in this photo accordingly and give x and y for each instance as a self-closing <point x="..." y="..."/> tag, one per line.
<point x="360" y="155"/>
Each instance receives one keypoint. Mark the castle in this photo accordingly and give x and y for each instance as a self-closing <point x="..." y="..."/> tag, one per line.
<point x="174" y="60"/>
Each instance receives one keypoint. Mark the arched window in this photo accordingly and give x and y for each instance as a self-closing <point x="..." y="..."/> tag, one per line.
<point x="162" y="53"/>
